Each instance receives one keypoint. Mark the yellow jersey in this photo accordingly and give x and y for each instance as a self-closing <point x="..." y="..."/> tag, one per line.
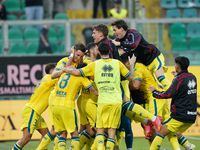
<point x="87" y="95"/>
<point x="67" y="89"/>
<point x="106" y="74"/>
<point x="142" y="73"/>
<point x="62" y="63"/>
<point x="39" y="98"/>
<point x="87" y="60"/>
<point x="122" y="14"/>
<point x="125" y="88"/>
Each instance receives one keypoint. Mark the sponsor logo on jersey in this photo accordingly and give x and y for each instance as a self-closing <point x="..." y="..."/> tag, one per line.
<point x="191" y="112"/>
<point x="107" y="68"/>
<point x="106" y="89"/>
<point x="61" y="94"/>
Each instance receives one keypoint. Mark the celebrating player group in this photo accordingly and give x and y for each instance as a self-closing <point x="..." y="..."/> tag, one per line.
<point x="112" y="83"/>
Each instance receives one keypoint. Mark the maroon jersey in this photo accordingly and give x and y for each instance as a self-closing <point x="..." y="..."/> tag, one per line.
<point x="183" y="92"/>
<point x="113" y="49"/>
<point x="133" y="42"/>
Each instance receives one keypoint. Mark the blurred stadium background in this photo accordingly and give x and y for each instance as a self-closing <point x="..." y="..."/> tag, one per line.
<point x="172" y="25"/>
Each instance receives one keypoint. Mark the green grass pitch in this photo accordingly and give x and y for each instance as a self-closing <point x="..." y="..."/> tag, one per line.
<point x="138" y="144"/>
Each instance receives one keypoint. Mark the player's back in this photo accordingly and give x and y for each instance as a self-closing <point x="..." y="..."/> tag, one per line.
<point x="107" y="79"/>
<point x="60" y="65"/>
<point x="142" y="73"/>
<point x="39" y="98"/>
<point x="67" y="89"/>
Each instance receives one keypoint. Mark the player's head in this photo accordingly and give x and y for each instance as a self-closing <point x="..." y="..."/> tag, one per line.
<point x="103" y="48"/>
<point x="100" y="31"/>
<point x="181" y="63"/>
<point x="49" y="68"/>
<point x="92" y="48"/>
<point x="125" y="61"/>
<point x="79" y="52"/>
<point x="117" y="3"/>
<point x="81" y="65"/>
<point x="119" y="28"/>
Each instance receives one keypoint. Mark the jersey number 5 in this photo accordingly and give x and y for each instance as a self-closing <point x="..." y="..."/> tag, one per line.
<point x="64" y="81"/>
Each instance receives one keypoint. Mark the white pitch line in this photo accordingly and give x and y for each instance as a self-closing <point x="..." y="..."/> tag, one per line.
<point x="195" y="138"/>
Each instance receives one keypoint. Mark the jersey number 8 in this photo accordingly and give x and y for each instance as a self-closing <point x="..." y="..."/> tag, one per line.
<point x="64" y="81"/>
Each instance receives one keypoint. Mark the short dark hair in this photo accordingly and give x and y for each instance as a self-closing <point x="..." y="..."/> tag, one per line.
<point x="124" y="57"/>
<point x="98" y="57"/>
<point x="49" y="66"/>
<point x="104" y="48"/>
<point x="183" y="62"/>
<point x="91" y="45"/>
<point x="81" y="65"/>
<point x="80" y="47"/>
<point x="120" y="24"/>
<point x="101" y="28"/>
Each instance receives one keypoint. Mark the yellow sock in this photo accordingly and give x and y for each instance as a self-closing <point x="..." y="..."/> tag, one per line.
<point x="110" y="144"/>
<point x="173" y="140"/>
<point x="99" y="141"/>
<point x="16" y="147"/>
<point x="164" y="81"/>
<point x="157" y="142"/>
<point x="62" y="143"/>
<point x="75" y="143"/>
<point x="56" y="141"/>
<point x="184" y="142"/>
<point x="45" y="141"/>
<point x="120" y="135"/>
<point x="138" y="118"/>
<point x="84" y="138"/>
<point x="139" y="110"/>
<point x="89" y="143"/>
<point x="94" y="145"/>
<point x="116" y="141"/>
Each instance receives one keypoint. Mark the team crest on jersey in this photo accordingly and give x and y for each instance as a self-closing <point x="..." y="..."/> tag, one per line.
<point x="191" y="85"/>
<point x="61" y="66"/>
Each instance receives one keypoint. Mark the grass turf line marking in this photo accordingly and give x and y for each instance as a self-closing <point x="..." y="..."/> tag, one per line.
<point x="194" y="138"/>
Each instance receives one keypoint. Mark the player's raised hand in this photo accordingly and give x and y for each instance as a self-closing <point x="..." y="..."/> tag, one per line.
<point x="132" y="59"/>
<point x="72" y="50"/>
<point x="116" y="43"/>
<point x="174" y="73"/>
<point x="121" y="51"/>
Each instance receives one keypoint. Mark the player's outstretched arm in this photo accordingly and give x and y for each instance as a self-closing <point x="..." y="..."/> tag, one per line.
<point x="93" y="90"/>
<point x="72" y="71"/>
<point x="56" y="74"/>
